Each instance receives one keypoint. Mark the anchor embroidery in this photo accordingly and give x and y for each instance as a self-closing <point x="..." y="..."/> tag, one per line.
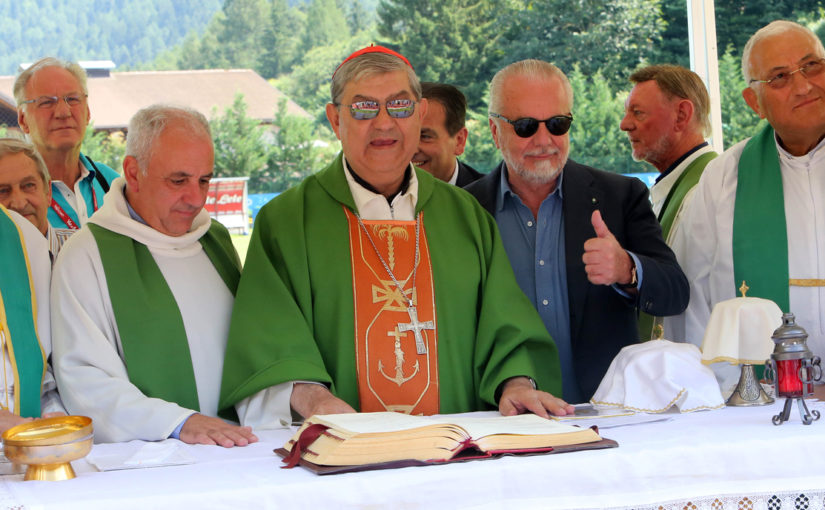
<point x="399" y="378"/>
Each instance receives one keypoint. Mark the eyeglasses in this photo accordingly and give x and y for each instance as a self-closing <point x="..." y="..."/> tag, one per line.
<point x="49" y="102"/>
<point x="396" y="108"/>
<point x="809" y="69"/>
<point x="527" y="126"/>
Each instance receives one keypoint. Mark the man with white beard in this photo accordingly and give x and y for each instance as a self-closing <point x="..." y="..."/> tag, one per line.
<point x="585" y="246"/>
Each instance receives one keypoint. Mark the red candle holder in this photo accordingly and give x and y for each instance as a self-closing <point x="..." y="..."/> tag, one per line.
<point x="792" y="370"/>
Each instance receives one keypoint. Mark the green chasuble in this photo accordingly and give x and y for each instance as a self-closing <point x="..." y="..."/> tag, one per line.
<point x="156" y="351"/>
<point x="293" y="315"/>
<point x="18" y="320"/>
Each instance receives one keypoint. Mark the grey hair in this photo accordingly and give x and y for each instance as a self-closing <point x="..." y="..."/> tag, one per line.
<point x="772" y="29"/>
<point x="370" y="64"/>
<point x="530" y="69"/>
<point x="9" y="146"/>
<point x="148" y="123"/>
<point x="23" y="78"/>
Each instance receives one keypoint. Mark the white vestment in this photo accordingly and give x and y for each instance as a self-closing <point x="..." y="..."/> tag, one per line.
<point x="88" y="355"/>
<point x="660" y="191"/>
<point x="705" y="251"/>
<point x="37" y="251"/>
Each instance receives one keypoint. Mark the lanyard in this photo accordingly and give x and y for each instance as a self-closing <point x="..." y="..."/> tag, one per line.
<point x="61" y="213"/>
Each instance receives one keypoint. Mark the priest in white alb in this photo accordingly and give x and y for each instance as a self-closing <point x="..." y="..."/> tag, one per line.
<point x="758" y="215"/>
<point x="142" y="294"/>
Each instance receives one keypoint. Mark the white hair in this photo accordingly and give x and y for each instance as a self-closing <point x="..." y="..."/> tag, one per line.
<point x="148" y="123"/>
<point x="772" y="29"/>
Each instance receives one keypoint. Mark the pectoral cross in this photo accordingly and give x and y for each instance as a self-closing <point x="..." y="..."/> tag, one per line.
<point x="416" y="327"/>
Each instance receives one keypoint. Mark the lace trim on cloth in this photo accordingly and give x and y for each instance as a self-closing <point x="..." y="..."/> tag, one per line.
<point x="804" y="500"/>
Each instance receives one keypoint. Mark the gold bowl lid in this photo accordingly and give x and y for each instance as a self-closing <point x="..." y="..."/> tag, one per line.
<point x="49" y="431"/>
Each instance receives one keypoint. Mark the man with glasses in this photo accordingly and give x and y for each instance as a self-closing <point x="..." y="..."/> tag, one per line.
<point x="585" y="245"/>
<point x="758" y="214"/>
<point x="52" y="109"/>
<point x="377" y="287"/>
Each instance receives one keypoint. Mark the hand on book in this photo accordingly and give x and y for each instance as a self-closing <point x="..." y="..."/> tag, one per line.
<point x="200" y="429"/>
<point x="519" y="397"/>
<point x="309" y="399"/>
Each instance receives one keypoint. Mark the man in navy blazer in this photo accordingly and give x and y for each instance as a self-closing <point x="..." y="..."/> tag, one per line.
<point x="584" y="244"/>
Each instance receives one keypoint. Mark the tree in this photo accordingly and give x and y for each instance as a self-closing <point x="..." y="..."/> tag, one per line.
<point x="298" y="151"/>
<point x="280" y="46"/>
<point x="240" y="148"/>
<point x="325" y="25"/>
<point x="611" y="36"/>
<point x="103" y="147"/>
<point x="595" y="137"/>
<point x="738" y="120"/>
<point x="452" y="41"/>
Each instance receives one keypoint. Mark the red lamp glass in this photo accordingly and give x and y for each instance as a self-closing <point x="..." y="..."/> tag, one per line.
<point x="793" y="369"/>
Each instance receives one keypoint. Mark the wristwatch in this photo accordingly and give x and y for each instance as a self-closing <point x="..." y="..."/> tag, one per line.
<point x="633" y="280"/>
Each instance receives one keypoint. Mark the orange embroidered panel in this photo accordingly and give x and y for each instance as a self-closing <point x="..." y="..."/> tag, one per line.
<point x="393" y="375"/>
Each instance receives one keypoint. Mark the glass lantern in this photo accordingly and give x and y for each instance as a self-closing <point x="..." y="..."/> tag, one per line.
<point x="792" y="370"/>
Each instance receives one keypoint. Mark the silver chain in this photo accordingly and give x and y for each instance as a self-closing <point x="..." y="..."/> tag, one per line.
<point x="389" y="272"/>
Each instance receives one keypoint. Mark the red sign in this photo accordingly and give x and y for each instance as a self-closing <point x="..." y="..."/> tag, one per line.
<point x="225" y="197"/>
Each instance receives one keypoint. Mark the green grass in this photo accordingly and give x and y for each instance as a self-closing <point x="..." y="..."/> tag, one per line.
<point x="241" y="243"/>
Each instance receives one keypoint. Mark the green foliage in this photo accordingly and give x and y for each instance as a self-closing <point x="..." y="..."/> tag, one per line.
<point x="325" y="25"/>
<point x="102" y="147"/>
<point x="240" y="149"/>
<point x="452" y="41"/>
<point x="280" y="46"/>
<point x="480" y="151"/>
<point x="298" y="151"/>
<point x="738" y="120"/>
<point x="595" y="137"/>
<point x="274" y="158"/>
<point x="611" y="36"/>
<point x="128" y="32"/>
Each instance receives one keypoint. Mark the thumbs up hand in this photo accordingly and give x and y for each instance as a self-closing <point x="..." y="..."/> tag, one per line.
<point x="605" y="261"/>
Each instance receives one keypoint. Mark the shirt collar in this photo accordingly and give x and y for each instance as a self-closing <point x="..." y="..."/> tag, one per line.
<point x="454" y="179"/>
<point x="504" y="189"/>
<point x="372" y="205"/>
<point x="679" y="161"/>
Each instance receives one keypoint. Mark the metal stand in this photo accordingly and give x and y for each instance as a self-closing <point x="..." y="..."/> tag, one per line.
<point x="807" y="416"/>
<point x="748" y="391"/>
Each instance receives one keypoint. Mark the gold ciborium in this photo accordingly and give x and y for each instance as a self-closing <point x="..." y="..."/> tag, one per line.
<point x="47" y="446"/>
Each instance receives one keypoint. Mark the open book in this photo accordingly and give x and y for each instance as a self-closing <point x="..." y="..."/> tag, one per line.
<point x="375" y="439"/>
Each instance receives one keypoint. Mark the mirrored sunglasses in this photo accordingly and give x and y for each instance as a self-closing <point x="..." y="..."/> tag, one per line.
<point x="397" y="109"/>
<point x="527" y="126"/>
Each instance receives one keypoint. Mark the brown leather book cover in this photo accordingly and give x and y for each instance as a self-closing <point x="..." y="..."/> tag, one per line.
<point x="465" y="455"/>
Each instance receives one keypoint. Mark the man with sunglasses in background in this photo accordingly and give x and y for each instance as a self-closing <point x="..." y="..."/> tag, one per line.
<point x="53" y="110"/>
<point x="585" y="245"/>
<point x="374" y="286"/>
<point x="758" y="213"/>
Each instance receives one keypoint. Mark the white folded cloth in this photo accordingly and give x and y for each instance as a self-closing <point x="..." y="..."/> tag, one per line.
<point x="654" y="376"/>
<point x="739" y="331"/>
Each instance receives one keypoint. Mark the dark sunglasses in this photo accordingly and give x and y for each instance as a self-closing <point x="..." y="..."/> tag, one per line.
<point x="396" y="108"/>
<point x="527" y="126"/>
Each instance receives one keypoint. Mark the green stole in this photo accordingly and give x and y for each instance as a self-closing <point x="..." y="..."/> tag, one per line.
<point x="684" y="183"/>
<point x="155" y="345"/>
<point x="760" y="236"/>
<point x="18" y="319"/>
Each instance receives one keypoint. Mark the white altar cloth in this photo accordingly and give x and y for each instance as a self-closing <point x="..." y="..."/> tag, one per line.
<point x="729" y="458"/>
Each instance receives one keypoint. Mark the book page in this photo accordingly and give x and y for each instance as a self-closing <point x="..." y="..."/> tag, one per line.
<point x="522" y="424"/>
<point x="368" y="423"/>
